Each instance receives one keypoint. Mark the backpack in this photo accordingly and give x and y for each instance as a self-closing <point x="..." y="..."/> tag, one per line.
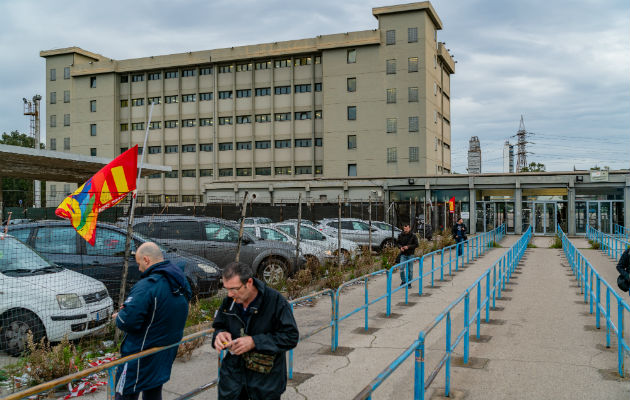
<point x="623" y="283"/>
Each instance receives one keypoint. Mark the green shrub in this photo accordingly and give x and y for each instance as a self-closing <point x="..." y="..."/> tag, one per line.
<point x="557" y="242"/>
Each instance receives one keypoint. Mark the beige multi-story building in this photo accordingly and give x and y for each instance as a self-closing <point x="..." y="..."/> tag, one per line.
<point x="363" y="104"/>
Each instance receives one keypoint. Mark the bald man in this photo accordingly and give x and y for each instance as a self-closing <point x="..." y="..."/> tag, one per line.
<point x="153" y="315"/>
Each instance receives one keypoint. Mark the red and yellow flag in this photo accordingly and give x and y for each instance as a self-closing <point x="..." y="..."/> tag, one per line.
<point x="451" y="205"/>
<point x="105" y="189"/>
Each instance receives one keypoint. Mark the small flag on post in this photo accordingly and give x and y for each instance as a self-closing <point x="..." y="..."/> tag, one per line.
<point x="103" y="190"/>
<point x="451" y="205"/>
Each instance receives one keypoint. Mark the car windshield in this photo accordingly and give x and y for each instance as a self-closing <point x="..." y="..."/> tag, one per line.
<point x="15" y="256"/>
<point x="382" y="225"/>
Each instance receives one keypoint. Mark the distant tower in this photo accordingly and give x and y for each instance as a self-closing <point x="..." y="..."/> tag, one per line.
<point x="508" y="157"/>
<point x="521" y="136"/>
<point x="474" y="156"/>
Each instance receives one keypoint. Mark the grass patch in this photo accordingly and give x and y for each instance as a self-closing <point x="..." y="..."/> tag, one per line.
<point x="594" y="245"/>
<point x="557" y="242"/>
<point x="494" y="244"/>
<point x="531" y="245"/>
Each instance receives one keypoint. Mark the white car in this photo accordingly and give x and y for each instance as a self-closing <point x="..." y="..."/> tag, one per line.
<point x="46" y="299"/>
<point x="310" y="251"/>
<point x="309" y="234"/>
<point x="358" y="231"/>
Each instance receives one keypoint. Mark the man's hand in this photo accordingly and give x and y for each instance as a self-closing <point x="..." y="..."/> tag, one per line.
<point x="242" y="345"/>
<point x="222" y="341"/>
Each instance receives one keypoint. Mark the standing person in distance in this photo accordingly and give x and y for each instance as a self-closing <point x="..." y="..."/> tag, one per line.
<point x="255" y="323"/>
<point x="459" y="234"/>
<point x="154" y="314"/>
<point x="407" y="243"/>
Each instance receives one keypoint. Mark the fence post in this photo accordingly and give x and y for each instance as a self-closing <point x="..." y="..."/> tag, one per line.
<point x="478" y="308"/>
<point x="607" y="317"/>
<point x="488" y="296"/>
<point x="620" y="330"/>
<point x="388" y="307"/>
<point x="597" y="312"/>
<point x="418" y="386"/>
<point x="466" y="325"/>
<point x="447" y="367"/>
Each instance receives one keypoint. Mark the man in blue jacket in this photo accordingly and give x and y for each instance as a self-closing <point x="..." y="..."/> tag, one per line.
<point x="255" y="323"/>
<point x="153" y="315"/>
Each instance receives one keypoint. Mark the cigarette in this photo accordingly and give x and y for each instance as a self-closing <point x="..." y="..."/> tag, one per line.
<point x="232" y="305"/>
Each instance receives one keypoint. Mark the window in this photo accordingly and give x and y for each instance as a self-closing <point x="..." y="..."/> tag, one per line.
<point x="189" y="173"/>
<point x="137" y="78"/>
<point x="390" y="37"/>
<point x="188" y="148"/>
<point x="155" y="149"/>
<point x="318" y="86"/>
<point x="124" y="78"/>
<point x="66" y="143"/>
<point x="205" y="172"/>
<point x="282" y="90"/>
<point x="188" y="123"/>
<point x="123" y="149"/>
<point x="263" y="65"/>
<point x="66" y="120"/>
<point x="225" y="120"/>
<point x="53" y="97"/>
<point x="172" y="148"/>
<point x="137" y="126"/>
<point x="243" y="93"/>
<point x="435" y="116"/>
<point x="392" y="125"/>
<point x="412" y="64"/>
<point x="205" y="71"/>
<point x="282" y="116"/>
<point x="413" y="154"/>
<point x="243" y="67"/>
<point x="170" y="99"/>
<point x="283" y="170"/>
<point x="171" y="124"/>
<point x="205" y="147"/>
<point x="57" y="239"/>
<point x="352" y="142"/>
<point x="53" y="144"/>
<point x="155" y="76"/>
<point x="66" y="73"/>
<point x="263" y="144"/>
<point x="66" y="96"/>
<point x="155" y="100"/>
<point x="265" y="171"/>
<point x="225" y="69"/>
<point x="124" y="127"/>
<point x="205" y="96"/>
<point x="352" y="170"/>
<point x="392" y="155"/>
<point x="137" y="102"/>
<point x="92" y="105"/>
<point x="413" y="94"/>
<point x="140" y="149"/>
<point x="188" y="98"/>
<point x="282" y="63"/>
<point x="304" y="170"/>
<point x="124" y="103"/>
<point x="318" y="59"/>
<point x="412" y="35"/>
<point x="318" y="114"/>
<point x="263" y="91"/>
<point x="225" y="94"/>
<point x="243" y="172"/>
<point x="319" y="142"/>
<point x="243" y="119"/>
<point x="92" y="129"/>
<point x="205" y="121"/>
<point x="302" y="88"/>
<point x="351" y="56"/>
<point x="225" y="172"/>
<point x="302" y="61"/>
<point x="413" y="124"/>
<point x="155" y="176"/>
<point x="303" y="142"/>
<point x="243" y="145"/>
<point x="390" y="66"/>
<point x="53" y="74"/>
<point x="352" y="84"/>
<point x="391" y="96"/>
<point x="171" y="74"/>
<point x="188" y="72"/>
<point x="93" y="151"/>
<point x="171" y="174"/>
<point x="263" y="117"/>
<point x="283" y="144"/>
<point x="225" y="146"/>
<point x="352" y="113"/>
<point x="302" y="115"/>
<point x="53" y="121"/>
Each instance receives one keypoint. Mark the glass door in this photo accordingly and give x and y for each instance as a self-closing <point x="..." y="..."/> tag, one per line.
<point x="489" y="222"/>
<point x="604" y="217"/>
<point x="550" y="218"/>
<point x="539" y="218"/>
<point x="580" y="217"/>
<point x="593" y="214"/>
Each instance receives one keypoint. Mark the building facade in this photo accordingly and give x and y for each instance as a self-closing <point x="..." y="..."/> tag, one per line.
<point x="355" y="104"/>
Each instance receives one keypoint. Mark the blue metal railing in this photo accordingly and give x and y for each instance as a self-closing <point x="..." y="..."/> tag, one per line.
<point x="590" y="282"/>
<point x="612" y="245"/>
<point x="495" y="278"/>
<point x="622" y="231"/>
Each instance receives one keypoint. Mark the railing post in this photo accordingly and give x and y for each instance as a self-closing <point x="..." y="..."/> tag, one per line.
<point x="418" y="387"/>
<point x="432" y="269"/>
<point x="290" y="354"/>
<point x="388" y="307"/>
<point x="620" y="329"/>
<point x="466" y="325"/>
<point x="478" y="308"/>
<point x="111" y="383"/>
<point x="608" y="316"/>
<point x="367" y="302"/>
<point x="488" y="296"/>
<point x="335" y="341"/>
<point x="447" y="367"/>
<point x="598" y="298"/>
<point x="420" y="267"/>
<point x="590" y="291"/>
<point x="442" y="265"/>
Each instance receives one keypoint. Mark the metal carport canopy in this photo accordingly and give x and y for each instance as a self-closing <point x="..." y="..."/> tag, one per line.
<point x="47" y="165"/>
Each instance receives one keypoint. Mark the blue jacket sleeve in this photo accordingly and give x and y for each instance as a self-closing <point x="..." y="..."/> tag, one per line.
<point x="136" y="308"/>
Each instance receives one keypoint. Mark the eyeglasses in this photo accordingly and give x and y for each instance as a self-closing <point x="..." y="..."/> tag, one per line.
<point x="233" y="289"/>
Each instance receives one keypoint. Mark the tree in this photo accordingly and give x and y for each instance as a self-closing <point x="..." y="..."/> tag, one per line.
<point x="534" y="167"/>
<point x="16" y="189"/>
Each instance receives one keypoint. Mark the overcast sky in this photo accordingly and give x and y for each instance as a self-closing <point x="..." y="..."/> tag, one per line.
<point x="564" y="65"/>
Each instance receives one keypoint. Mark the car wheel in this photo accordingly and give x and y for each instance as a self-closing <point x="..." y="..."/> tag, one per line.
<point x="194" y="289"/>
<point x="311" y="260"/>
<point x="16" y="326"/>
<point x="388" y="243"/>
<point x="272" y="271"/>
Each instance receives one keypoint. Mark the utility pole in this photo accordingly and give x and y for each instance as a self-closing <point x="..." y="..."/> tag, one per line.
<point x="521" y="135"/>
<point x="31" y="108"/>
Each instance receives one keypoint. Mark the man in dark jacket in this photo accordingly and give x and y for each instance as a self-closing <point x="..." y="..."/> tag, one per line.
<point x="623" y="266"/>
<point x="153" y="315"/>
<point x="459" y="234"/>
<point x="255" y="323"/>
<point x="407" y="243"/>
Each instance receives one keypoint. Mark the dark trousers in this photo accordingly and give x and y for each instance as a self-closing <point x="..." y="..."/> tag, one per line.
<point x="460" y="245"/>
<point x="245" y="396"/>
<point x="149" y="394"/>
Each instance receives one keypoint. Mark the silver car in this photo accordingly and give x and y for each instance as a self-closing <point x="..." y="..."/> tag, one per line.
<point x="309" y="234"/>
<point x="358" y="231"/>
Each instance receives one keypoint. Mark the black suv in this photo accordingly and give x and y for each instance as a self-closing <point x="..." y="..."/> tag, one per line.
<point x="217" y="239"/>
<point x="58" y="242"/>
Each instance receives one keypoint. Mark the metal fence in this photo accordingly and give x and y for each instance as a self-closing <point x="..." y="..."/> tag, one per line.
<point x="612" y="245"/>
<point x="622" y="232"/>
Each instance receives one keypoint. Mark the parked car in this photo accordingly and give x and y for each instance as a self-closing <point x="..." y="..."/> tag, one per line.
<point x="59" y="243"/>
<point x="257" y="220"/>
<point x="217" y="240"/>
<point x="358" y="231"/>
<point x="46" y="299"/>
<point x="384" y="226"/>
<point x="314" y="252"/>
<point x="304" y="222"/>
<point x="309" y="234"/>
